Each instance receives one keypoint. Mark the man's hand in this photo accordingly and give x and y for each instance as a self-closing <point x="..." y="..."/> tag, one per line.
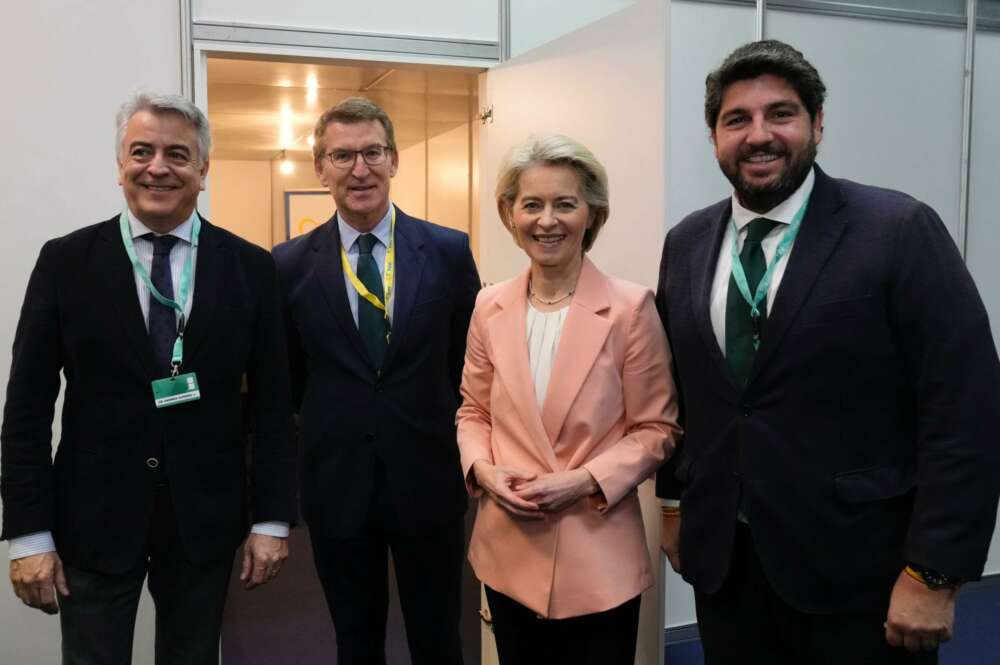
<point x="499" y="481"/>
<point x="552" y="492"/>
<point x="37" y="578"/>
<point x="262" y="559"/>
<point x="670" y="541"/>
<point x="919" y="618"/>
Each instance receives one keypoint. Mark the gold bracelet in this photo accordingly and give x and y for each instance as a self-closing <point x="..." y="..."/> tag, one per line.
<point x="915" y="574"/>
<point x="671" y="510"/>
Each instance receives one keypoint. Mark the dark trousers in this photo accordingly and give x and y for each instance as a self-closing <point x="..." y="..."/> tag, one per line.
<point x="98" y="617"/>
<point x="602" y="638"/>
<point x="747" y="623"/>
<point x="354" y="572"/>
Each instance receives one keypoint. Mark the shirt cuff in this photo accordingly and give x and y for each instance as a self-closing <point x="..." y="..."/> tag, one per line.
<point x="39" y="542"/>
<point x="670" y="503"/>
<point x="275" y="529"/>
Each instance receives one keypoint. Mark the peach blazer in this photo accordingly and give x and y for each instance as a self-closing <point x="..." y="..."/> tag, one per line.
<point x="611" y="407"/>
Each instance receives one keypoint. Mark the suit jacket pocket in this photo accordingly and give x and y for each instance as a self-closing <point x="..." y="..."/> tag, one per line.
<point x="873" y="484"/>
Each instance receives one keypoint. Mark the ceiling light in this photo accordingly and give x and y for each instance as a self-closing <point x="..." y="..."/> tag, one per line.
<point x="312" y="89"/>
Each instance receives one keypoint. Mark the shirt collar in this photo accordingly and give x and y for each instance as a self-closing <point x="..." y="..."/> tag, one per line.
<point x="182" y="232"/>
<point x="784" y="212"/>
<point x="349" y="235"/>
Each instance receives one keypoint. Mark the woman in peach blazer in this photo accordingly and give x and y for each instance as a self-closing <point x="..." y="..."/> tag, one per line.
<point x="558" y="539"/>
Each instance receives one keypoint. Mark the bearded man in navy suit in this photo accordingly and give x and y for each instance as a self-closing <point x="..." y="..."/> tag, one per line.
<point x="378" y="306"/>
<point x="839" y="475"/>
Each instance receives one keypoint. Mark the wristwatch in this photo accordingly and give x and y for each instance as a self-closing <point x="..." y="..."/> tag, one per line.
<point x="933" y="579"/>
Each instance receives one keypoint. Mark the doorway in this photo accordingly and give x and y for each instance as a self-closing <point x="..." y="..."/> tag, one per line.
<point x="263" y="110"/>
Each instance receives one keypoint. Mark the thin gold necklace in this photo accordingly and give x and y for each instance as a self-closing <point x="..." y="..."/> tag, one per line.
<point x="532" y="294"/>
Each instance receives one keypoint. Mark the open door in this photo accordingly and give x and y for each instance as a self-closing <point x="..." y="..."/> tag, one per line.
<point x="606" y="86"/>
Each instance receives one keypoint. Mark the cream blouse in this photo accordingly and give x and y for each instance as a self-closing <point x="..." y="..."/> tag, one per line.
<point x="544" y="330"/>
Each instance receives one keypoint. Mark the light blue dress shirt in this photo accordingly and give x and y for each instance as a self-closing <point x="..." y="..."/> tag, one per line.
<point x="349" y="241"/>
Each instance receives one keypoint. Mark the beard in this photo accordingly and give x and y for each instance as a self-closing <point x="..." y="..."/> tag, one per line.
<point x="764" y="197"/>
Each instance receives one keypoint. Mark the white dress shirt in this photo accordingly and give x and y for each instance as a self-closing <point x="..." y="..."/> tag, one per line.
<point x="784" y="212"/>
<point x="42" y="541"/>
<point x="349" y="241"/>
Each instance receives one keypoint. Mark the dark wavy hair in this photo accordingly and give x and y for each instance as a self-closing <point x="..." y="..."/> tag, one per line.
<point x="765" y="57"/>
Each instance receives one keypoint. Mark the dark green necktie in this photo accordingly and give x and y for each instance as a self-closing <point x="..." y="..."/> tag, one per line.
<point x="740" y="349"/>
<point x="371" y="321"/>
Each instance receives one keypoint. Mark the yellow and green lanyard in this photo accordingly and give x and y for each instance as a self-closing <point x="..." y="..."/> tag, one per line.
<point x="387" y="279"/>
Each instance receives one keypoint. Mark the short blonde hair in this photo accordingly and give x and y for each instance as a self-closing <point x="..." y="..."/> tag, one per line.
<point x="555" y="150"/>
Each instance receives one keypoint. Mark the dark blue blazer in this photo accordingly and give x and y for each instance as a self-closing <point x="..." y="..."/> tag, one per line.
<point x="869" y="432"/>
<point x="357" y="427"/>
<point x="81" y="317"/>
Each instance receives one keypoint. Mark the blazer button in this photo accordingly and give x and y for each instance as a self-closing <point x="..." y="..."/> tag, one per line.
<point x="746" y="411"/>
<point x="152" y="462"/>
<point x="370" y="436"/>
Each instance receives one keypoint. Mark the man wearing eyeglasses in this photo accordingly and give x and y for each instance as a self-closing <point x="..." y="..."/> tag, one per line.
<point x="154" y="317"/>
<point x="378" y="306"/>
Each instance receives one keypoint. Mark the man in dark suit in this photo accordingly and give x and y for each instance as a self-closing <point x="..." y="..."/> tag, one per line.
<point x="378" y="306"/>
<point x="839" y="476"/>
<point x="149" y="479"/>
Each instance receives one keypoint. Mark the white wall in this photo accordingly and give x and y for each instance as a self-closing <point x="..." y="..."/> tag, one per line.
<point x="462" y="19"/>
<point x="535" y="22"/>
<point x="67" y="67"/>
<point x="984" y="200"/>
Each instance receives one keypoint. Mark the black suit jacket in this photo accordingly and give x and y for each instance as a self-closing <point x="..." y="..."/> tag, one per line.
<point x="352" y="419"/>
<point x="81" y="315"/>
<point x="868" y="432"/>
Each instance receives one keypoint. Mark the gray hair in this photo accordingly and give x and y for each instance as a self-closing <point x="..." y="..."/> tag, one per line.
<point x="154" y="103"/>
<point x="555" y="150"/>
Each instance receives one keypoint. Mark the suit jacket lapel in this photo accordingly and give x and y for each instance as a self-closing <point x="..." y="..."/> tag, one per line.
<point x="410" y="257"/>
<point x="582" y="339"/>
<point x="704" y="260"/>
<point x="119" y="285"/>
<point x="330" y="275"/>
<point x="509" y="342"/>
<point x="821" y="230"/>
<point x="209" y="273"/>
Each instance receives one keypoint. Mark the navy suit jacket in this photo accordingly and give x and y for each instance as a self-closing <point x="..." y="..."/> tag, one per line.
<point x="81" y="317"/>
<point x="868" y="434"/>
<point x="397" y="428"/>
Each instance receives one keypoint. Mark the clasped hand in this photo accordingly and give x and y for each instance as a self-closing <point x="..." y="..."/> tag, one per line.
<point x="530" y="495"/>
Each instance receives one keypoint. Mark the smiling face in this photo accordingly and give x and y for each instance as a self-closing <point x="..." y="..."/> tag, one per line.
<point x="361" y="191"/>
<point x="550" y="215"/>
<point x="765" y="140"/>
<point x="159" y="169"/>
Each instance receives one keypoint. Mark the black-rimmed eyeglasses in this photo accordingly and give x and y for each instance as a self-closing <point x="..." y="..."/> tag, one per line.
<point x="373" y="155"/>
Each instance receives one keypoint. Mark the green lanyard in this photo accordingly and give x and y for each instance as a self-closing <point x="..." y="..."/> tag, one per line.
<point x="185" y="286"/>
<point x="739" y="276"/>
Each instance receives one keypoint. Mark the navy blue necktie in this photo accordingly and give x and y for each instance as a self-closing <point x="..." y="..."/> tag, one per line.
<point x="162" y="319"/>
<point x="371" y="320"/>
